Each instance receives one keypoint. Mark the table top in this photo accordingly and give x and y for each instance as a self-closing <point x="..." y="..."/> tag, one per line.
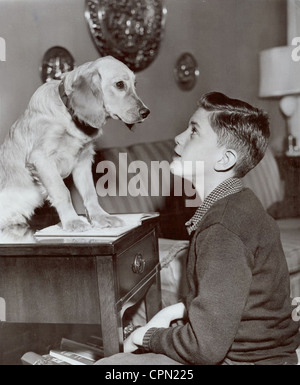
<point x="78" y="246"/>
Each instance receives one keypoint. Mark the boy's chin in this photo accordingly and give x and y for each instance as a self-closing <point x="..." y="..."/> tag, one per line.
<point x="176" y="167"/>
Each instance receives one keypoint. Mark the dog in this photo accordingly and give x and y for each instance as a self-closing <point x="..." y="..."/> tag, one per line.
<point x="55" y="137"/>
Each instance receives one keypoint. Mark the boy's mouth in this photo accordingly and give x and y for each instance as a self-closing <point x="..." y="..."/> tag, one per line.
<point x="176" y="155"/>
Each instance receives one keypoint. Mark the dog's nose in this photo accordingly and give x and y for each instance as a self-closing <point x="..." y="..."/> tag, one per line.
<point x="144" y="112"/>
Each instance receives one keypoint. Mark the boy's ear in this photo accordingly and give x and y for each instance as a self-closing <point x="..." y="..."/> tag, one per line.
<point x="227" y="161"/>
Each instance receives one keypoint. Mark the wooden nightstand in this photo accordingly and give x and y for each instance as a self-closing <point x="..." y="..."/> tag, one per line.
<point x="289" y="167"/>
<point x="79" y="284"/>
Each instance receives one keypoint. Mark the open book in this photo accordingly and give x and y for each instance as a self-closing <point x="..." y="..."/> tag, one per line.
<point x="131" y="221"/>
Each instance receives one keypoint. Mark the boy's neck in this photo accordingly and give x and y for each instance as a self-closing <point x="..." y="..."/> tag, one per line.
<point x="212" y="182"/>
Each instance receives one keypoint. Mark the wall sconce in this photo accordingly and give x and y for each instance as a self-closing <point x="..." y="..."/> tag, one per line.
<point x="186" y="71"/>
<point x="56" y="61"/>
<point x="129" y="30"/>
<point x="280" y="78"/>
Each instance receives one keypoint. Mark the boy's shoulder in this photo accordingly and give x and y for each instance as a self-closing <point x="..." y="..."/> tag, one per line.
<point x="239" y="212"/>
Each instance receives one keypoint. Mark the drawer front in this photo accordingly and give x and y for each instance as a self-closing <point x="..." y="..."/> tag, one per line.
<point x="135" y="263"/>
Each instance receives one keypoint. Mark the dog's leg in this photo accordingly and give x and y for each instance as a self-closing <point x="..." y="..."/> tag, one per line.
<point x="83" y="180"/>
<point x="58" y="193"/>
<point x="20" y="233"/>
<point x="17" y="205"/>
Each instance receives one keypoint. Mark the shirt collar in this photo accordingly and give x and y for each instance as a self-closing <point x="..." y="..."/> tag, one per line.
<point x="228" y="187"/>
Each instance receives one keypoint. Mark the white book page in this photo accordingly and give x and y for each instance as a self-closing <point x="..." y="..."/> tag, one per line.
<point x="131" y="221"/>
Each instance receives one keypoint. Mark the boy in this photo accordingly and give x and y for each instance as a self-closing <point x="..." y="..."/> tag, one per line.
<point x="238" y="307"/>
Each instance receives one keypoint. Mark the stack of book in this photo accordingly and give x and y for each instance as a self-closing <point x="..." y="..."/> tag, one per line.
<point x="70" y="353"/>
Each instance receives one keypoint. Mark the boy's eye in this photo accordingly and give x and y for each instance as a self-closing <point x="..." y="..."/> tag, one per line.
<point x="120" y="85"/>
<point x="194" y="130"/>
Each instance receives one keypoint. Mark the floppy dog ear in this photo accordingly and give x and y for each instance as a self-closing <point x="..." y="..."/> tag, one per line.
<point x="86" y="99"/>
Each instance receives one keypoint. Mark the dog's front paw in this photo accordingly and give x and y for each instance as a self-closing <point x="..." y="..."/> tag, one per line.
<point x="107" y="221"/>
<point x="76" y="225"/>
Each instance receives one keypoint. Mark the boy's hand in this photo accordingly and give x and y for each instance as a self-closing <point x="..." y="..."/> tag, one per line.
<point x="135" y="340"/>
<point x="161" y="320"/>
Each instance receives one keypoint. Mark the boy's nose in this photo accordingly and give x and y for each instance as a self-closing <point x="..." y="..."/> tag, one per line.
<point x="180" y="139"/>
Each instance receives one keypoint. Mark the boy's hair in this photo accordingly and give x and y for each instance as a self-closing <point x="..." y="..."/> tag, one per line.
<point x="240" y="127"/>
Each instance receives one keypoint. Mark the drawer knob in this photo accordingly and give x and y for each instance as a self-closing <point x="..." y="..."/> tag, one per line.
<point x="138" y="265"/>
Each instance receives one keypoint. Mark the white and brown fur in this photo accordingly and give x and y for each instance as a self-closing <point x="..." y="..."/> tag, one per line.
<point x="45" y="145"/>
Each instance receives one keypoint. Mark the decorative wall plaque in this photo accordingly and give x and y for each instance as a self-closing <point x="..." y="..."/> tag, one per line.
<point x="56" y="61"/>
<point x="129" y="30"/>
<point x="186" y="71"/>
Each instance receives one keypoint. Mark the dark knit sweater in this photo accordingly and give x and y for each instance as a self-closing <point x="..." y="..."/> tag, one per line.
<point x="238" y="302"/>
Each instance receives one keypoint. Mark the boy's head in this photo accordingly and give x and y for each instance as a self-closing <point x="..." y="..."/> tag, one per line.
<point x="240" y="127"/>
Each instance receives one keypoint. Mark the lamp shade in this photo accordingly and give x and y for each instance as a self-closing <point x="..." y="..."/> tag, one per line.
<point x="279" y="73"/>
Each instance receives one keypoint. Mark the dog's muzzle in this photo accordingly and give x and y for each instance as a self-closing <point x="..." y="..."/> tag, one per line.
<point x="144" y="112"/>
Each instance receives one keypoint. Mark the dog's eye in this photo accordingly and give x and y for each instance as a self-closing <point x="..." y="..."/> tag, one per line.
<point x="120" y="85"/>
